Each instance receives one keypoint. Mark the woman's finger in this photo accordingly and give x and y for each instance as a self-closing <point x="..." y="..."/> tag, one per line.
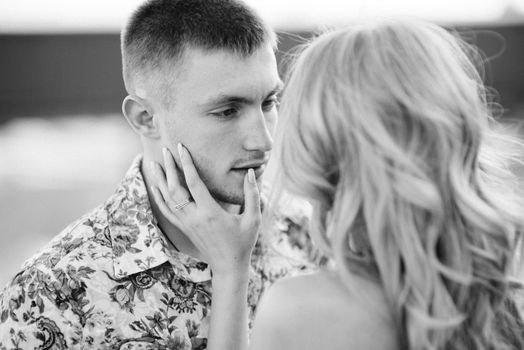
<point x="170" y="166"/>
<point x="171" y="196"/>
<point x="171" y="199"/>
<point x="165" y="206"/>
<point x="160" y="177"/>
<point x="194" y="183"/>
<point x="252" y="212"/>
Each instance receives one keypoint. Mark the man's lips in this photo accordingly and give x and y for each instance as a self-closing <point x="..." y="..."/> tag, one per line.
<point x="257" y="168"/>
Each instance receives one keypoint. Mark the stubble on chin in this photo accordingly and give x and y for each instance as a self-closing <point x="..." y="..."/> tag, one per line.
<point x="222" y="191"/>
<point x="223" y="194"/>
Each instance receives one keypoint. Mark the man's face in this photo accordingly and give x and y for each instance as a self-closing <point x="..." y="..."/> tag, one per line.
<point x="223" y="109"/>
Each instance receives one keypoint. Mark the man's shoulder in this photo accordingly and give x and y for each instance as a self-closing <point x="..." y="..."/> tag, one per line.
<point x="76" y="244"/>
<point x="286" y="234"/>
<point x="52" y="283"/>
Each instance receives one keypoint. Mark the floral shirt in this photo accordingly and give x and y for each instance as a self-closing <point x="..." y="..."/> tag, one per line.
<point x="111" y="281"/>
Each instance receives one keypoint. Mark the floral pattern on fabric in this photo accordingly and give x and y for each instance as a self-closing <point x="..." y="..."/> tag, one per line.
<point x="291" y="234"/>
<point x="111" y="281"/>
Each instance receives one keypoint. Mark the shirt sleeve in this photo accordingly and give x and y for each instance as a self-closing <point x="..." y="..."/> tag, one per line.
<point x="36" y="311"/>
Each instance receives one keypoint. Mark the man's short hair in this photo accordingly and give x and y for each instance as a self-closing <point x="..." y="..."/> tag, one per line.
<point x="161" y="30"/>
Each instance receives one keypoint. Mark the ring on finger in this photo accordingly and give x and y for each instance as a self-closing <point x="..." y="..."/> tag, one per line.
<point x="183" y="204"/>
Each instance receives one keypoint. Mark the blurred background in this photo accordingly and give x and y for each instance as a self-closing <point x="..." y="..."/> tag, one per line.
<point x="64" y="145"/>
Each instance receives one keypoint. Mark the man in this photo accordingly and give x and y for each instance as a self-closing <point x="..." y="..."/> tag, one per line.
<point x="198" y="72"/>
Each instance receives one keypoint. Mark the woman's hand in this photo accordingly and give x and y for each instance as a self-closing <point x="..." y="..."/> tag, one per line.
<point x="226" y="240"/>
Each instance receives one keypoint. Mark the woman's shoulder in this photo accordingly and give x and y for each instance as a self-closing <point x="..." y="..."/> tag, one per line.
<point x="317" y="311"/>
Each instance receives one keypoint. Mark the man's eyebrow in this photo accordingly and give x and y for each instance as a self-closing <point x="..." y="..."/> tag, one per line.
<point x="225" y="99"/>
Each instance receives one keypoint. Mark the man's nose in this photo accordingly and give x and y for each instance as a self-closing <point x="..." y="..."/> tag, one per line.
<point x="258" y="133"/>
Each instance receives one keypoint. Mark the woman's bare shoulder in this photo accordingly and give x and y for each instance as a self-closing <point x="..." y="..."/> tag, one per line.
<point x="317" y="311"/>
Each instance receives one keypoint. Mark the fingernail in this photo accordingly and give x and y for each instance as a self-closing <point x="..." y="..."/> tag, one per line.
<point x="251" y="175"/>
<point x="180" y="151"/>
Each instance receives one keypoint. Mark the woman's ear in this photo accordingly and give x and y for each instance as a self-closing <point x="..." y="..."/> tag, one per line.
<point x="140" y="116"/>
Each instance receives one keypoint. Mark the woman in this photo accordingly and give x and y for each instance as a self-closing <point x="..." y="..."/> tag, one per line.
<point x="388" y="133"/>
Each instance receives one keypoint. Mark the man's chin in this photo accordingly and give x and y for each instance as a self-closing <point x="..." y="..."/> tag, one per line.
<point x="234" y="198"/>
<point x="232" y="195"/>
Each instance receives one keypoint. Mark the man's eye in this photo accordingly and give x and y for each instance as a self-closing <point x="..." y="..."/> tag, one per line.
<point x="226" y="113"/>
<point x="270" y="104"/>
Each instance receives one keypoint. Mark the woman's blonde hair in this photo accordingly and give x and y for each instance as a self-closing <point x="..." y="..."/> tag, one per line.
<point x="388" y="131"/>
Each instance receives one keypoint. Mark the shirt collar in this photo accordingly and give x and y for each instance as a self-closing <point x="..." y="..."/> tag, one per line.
<point x="137" y="242"/>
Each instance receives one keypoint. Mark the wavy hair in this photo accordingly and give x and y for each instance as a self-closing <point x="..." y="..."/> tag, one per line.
<point x="389" y="133"/>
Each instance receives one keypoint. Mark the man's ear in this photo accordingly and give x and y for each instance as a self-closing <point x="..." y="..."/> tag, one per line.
<point x="140" y="116"/>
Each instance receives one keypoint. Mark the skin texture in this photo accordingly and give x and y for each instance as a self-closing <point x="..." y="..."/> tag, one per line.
<point x="223" y="108"/>
<point x="318" y="312"/>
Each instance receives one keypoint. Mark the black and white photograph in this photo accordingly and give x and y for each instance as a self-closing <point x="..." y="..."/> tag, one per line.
<point x="262" y="174"/>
